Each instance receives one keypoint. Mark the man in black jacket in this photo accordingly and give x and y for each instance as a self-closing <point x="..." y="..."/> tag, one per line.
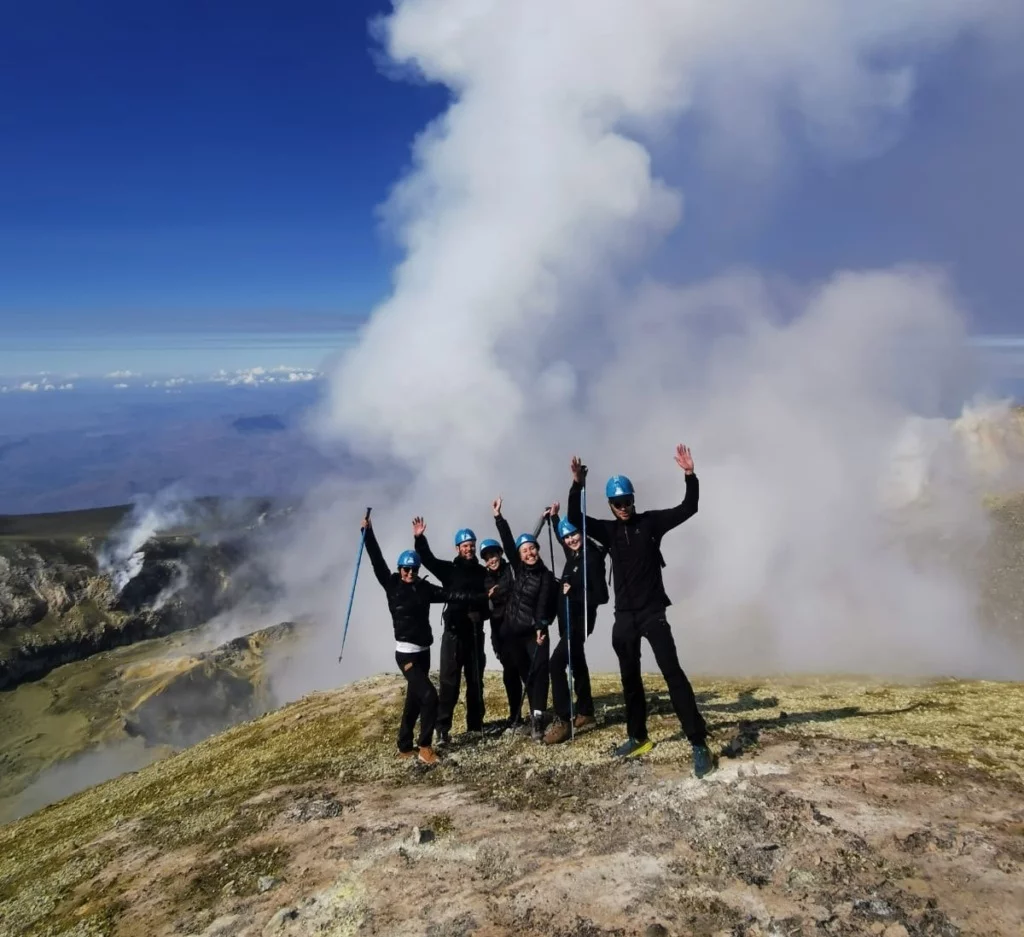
<point x="462" y="642"/>
<point x="634" y="542"/>
<point x="529" y="611"/>
<point x="409" y="601"/>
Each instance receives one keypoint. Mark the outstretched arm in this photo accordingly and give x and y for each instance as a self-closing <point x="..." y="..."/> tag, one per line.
<point x="508" y="542"/>
<point x="669" y="518"/>
<point x="380" y="568"/>
<point x="598" y="529"/>
<point x="438" y="595"/>
<point x="440" y="568"/>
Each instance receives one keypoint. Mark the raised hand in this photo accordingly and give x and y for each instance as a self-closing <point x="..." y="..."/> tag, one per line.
<point x="579" y="470"/>
<point x="565" y="588"/>
<point x="365" y="524"/>
<point x="553" y="510"/>
<point x="419" y="526"/>
<point x="683" y="458"/>
<point x="496" y="506"/>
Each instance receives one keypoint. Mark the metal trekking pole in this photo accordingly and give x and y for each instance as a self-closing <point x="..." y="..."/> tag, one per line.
<point x="586" y="604"/>
<point x="568" y="644"/>
<point x="355" y="579"/>
<point x="551" y="543"/>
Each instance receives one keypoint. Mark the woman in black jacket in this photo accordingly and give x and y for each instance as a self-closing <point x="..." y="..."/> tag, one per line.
<point x="529" y="611"/>
<point x="579" y="625"/>
<point x="409" y="601"/>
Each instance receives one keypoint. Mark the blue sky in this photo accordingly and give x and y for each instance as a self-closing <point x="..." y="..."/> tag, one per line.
<point x="184" y="167"/>
<point x="189" y="186"/>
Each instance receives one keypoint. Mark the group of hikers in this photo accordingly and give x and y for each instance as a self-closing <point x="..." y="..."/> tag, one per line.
<point x="519" y="595"/>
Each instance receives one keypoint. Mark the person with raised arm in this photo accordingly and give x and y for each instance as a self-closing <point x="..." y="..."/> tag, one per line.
<point x="633" y="541"/>
<point x="575" y="624"/>
<point x="462" y="641"/>
<point x="529" y="612"/>
<point x="409" y="600"/>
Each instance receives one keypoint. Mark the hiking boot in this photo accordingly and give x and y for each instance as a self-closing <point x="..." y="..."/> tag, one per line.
<point x="537" y="728"/>
<point x="633" y="748"/>
<point x="557" y="732"/>
<point x="406" y="755"/>
<point x="427" y="756"/>
<point x="582" y="721"/>
<point x="703" y="764"/>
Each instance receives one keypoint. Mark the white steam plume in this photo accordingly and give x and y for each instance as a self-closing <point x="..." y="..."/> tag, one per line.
<point x="516" y="333"/>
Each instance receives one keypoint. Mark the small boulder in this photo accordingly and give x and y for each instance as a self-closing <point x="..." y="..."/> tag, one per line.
<point x="265" y="883"/>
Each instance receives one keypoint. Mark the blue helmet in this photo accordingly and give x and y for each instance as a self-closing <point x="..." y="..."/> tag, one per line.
<point x="464" y="535"/>
<point x="566" y="527"/>
<point x="618" y="486"/>
<point x="486" y="545"/>
<point x="525" y="538"/>
<point x="408" y="559"/>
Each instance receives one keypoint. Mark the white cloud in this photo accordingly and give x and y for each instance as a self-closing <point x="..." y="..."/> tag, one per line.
<point x="120" y="386"/>
<point x="28" y="386"/>
<point x="123" y="374"/>
<point x="516" y="334"/>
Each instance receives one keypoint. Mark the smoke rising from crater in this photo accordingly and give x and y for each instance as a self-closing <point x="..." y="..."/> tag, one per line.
<point x="523" y="327"/>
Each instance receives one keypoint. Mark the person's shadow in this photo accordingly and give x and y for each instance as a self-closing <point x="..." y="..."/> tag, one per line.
<point x="747" y="731"/>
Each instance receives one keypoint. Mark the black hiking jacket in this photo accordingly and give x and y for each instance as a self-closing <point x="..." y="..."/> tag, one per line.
<point x="462" y="576"/>
<point x="501" y="580"/>
<point x="531" y="605"/>
<point x="635" y="547"/>
<point x="572" y="573"/>
<point x="408" y="602"/>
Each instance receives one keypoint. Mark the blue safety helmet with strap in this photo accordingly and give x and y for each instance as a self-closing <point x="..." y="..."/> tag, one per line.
<point x="525" y="538"/>
<point x="408" y="559"/>
<point x="566" y="527"/>
<point x="486" y="545"/>
<point x="464" y="535"/>
<point x="618" y="486"/>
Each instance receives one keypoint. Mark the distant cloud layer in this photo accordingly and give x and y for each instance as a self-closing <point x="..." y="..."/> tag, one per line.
<point x="240" y="377"/>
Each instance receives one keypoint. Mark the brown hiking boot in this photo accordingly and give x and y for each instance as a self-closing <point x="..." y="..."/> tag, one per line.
<point x="405" y="756"/>
<point x="581" y="721"/>
<point x="557" y="732"/>
<point x="427" y="756"/>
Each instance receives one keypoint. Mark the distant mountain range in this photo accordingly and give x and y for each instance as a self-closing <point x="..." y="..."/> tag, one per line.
<point x="73" y="451"/>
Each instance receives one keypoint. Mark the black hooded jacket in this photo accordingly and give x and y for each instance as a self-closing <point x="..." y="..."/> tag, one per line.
<point x="408" y="602"/>
<point x="461" y="576"/>
<point x="531" y="604"/>
<point x="635" y="547"/>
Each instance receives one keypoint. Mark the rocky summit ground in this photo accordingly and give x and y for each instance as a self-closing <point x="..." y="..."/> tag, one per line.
<point x="838" y="808"/>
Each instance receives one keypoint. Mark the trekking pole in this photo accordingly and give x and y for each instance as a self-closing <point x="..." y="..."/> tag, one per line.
<point x="551" y="544"/>
<point x="355" y="579"/>
<point x="568" y="639"/>
<point x="586" y="604"/>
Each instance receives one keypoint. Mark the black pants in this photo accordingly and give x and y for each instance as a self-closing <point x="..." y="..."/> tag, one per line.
<point x="420" y="700"/>
<point x="510" y="675"/>
<point x="462" y="652"/>
<point x="627" y="631"/>
<point x="580" y="670"/>
<point x="531" y="662"/>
